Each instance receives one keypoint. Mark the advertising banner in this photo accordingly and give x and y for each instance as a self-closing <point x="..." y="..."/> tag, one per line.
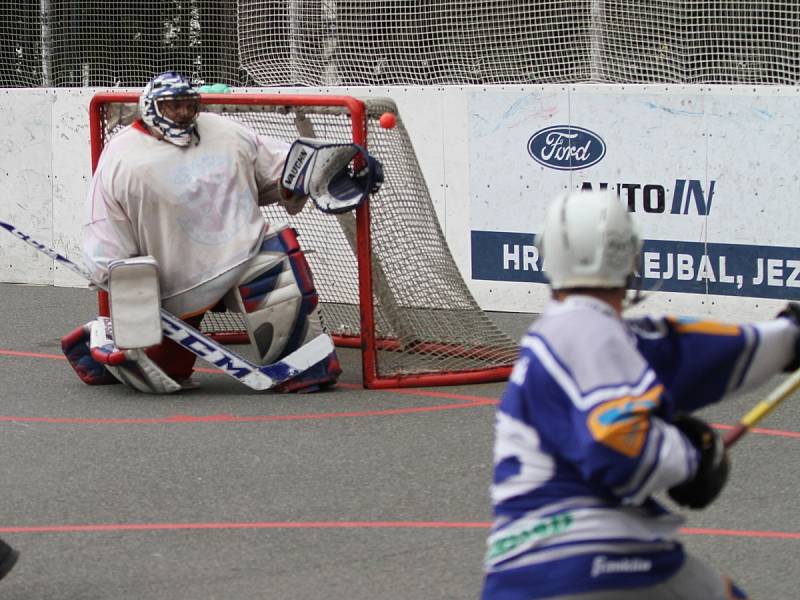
<point x="709" y="174"/>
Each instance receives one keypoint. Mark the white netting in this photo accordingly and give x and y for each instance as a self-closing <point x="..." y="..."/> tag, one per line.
<point x="399" y="42"/>
<point x="75" y="43"/>
<point x="385" y="42"/>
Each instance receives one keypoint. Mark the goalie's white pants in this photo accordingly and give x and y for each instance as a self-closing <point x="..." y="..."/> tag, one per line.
<point x="276" y="297"/>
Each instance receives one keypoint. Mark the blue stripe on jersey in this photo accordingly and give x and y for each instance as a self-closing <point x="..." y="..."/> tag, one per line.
<point x="584" y="573"/>
<point x="699" y="363"/>
<point x="508" y="467"/>
<point x="557" y="490"/>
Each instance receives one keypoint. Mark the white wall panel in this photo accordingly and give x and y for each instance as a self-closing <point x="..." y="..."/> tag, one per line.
<point x="26" y="182"/>
<point x="718" y="165"/>
<point x="71" y="176"/>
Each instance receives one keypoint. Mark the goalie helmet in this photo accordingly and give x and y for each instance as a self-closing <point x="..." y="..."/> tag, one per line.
<point x="168" y="86"/>
<point x="589" y="241"/>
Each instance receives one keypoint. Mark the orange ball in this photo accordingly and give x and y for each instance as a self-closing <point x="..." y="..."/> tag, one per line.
<point x="387" y="120"/>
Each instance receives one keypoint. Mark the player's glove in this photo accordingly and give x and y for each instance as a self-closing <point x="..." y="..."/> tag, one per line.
<point x="712" y="472"/>
<point x="337" y="177"/>
<point x="792" y="312"/>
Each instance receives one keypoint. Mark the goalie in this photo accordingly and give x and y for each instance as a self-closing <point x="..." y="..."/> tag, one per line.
<point x="173" y="221"/>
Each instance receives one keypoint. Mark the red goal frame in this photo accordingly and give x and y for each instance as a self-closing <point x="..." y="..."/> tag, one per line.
<point x="367" y="340"/>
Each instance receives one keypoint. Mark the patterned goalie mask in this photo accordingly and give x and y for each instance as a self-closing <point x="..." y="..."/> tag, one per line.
<point x="168" y="86"/>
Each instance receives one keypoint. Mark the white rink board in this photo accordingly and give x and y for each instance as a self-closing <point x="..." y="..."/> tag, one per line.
<point x="26" y="184"/>
<point x="665" y="147"/>
<point x="710" y="174"/>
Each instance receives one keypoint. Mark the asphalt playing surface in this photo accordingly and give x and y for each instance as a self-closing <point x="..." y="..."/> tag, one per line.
<point x="225" y="493"/>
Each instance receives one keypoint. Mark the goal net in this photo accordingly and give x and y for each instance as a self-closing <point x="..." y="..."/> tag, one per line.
<point x="385" y="276"/>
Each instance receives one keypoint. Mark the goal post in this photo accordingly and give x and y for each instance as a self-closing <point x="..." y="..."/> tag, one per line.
<point x="386" y="279"/>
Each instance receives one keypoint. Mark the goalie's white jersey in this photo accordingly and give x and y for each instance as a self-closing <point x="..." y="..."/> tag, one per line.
<point x="584" y="440"/>
<point x="195" y="208"/>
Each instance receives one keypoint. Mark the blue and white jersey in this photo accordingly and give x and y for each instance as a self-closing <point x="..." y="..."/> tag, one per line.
<point x="583" y="440"/>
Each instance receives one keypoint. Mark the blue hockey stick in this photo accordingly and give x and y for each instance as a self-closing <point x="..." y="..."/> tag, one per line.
<point x="253" y="376"/>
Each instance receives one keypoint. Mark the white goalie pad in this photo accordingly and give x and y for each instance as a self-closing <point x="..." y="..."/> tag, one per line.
<point x="135" y="302"/>
<point x="276" y="297"/>
<point x="132" y="367"/>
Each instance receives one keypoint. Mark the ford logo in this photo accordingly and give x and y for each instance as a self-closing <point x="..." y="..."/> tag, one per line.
<point x="566" y="147"/>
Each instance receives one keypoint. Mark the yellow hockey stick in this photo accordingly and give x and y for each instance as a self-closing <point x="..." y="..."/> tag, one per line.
<point x="763" y="408"/>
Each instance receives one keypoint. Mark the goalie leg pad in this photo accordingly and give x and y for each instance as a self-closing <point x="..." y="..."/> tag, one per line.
<point x="75" y="346"/>
<point x="277" y="298"/>
<point x="142" y="374"/>
<point x="132" y="367"/>
<point x="322" y="375"/>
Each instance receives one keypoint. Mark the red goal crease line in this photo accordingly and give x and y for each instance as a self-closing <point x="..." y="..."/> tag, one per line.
<point x="466" y="401"/>
<point x="118" y="527"/>
<point x="231" y="418"/>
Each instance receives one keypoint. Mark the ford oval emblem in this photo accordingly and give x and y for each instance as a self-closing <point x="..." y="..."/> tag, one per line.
<point x="566" y="147"/>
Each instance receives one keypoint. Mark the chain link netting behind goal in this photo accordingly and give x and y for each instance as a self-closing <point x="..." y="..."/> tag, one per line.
<point x="399" y="42"/>
<point x="396" y="42"/>
<point x="88" y="43"/>
<point x="425" y="318"/>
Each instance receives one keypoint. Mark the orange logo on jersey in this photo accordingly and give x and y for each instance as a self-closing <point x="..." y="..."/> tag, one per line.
<point x="704" y="327"/>
<point x="622" y="424"/>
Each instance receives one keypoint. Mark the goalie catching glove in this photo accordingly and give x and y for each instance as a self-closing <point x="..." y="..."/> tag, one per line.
<point x="337" y="177"/>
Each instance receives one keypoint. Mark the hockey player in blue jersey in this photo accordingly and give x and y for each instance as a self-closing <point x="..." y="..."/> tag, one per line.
<point x="595" y="420"/>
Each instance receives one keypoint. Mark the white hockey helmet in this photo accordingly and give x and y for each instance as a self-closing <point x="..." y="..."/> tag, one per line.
<point x="589" y="241"/>
<point x="169" y="85"/>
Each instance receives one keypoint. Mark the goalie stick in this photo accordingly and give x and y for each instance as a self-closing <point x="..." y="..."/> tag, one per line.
<point x="254" y="376"/>
<point x="789" y="386"/>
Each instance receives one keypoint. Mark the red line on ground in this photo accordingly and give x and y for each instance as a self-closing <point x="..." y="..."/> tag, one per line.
<point x="352" y="386"/>
<point x="226" y="418"/>
<point x="470" y="401"/>
<point x="31" y="354"/>
<point x="254" y="525"/>
<point x="100" y="527"/>
<point x="481" y="400"/>
<point x="781" y="535"/>
<point x="762" y="431"/>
